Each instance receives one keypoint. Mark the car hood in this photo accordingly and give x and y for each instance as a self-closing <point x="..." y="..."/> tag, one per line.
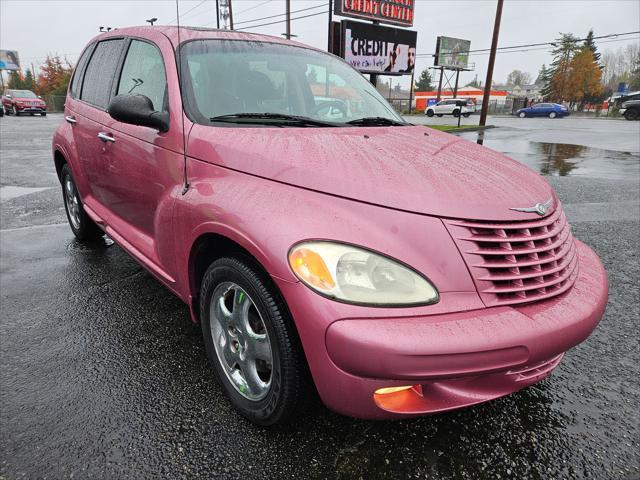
<point x="28" y="99"/>
<point x="412" y="168"/>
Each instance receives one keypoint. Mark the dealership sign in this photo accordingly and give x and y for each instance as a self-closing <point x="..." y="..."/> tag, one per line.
<point x="9" y="60"/>
<point x="397" y="12"/>
<point x="375" y="49"/>
<point x="452" y="52"/>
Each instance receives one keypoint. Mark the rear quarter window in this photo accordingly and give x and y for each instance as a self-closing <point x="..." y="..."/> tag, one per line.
<point x="78" y="72"/>
<point x="98" y="77"/>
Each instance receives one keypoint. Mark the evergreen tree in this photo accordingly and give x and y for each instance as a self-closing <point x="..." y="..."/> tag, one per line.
<point x="563" y="51"/>
<point x="424" y="82"/>
<point x="16" y="81"/>
<point x="29" y="82"/>
<point x="591" y="45"/>
<point x="543" y="76"/>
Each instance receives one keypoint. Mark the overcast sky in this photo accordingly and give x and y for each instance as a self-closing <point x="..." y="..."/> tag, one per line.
<point x="36" y="28"/>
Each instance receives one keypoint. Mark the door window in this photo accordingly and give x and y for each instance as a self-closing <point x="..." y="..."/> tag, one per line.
<point x="76" y="82"/>
<point x="98" y="77"/>
<point x="143" y="74"/>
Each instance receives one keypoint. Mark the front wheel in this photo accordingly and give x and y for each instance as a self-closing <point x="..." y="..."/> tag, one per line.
<point x="81" y="224"/>
<point x="252" y="342"/>
<point x="553" y="115"/>
<point x="456" y="113"/>
<point x="631" y="114"/>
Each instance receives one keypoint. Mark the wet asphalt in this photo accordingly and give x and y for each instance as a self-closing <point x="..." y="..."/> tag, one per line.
<point x="103" y="375"/>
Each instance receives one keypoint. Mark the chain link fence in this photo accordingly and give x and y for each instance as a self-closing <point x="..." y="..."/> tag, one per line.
<point x="55" y="103"/>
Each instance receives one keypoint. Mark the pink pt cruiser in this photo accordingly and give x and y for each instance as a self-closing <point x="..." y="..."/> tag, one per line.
<point x="319" y="240"/>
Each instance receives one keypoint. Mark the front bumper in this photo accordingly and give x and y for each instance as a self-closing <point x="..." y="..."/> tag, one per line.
<point x="452" y="360"/>
<point x="30" y="109"/>
<point x="622" y="110"/>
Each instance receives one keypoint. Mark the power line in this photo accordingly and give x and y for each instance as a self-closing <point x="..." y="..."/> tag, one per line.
<point x="535" y="44"/>
<point x="282" y="21"/>
<point x="275" y="16"/>
<point x="252" y="8"/>
<point x="187" y="12"/>
<point x="547" y="48"/>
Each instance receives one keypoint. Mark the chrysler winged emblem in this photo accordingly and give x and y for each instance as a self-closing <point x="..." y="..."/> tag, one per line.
<point x="539" y="208"/>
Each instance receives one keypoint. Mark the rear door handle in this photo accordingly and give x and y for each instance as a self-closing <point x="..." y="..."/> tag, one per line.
<point x="71" y="119"/>
<point x="105" y="137"/>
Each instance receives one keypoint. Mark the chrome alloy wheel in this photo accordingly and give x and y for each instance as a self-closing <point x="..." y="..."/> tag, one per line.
<point x="241" y="341"/>
<point x="72" y="202"/>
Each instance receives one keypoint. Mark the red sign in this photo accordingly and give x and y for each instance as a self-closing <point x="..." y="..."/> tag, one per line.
<point x="396" y="12"/>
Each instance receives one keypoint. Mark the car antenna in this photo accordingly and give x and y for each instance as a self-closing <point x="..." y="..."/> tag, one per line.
<point x="185" y="187"/>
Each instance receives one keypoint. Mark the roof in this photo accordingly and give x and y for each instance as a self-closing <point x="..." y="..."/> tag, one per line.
<point x="191" y="33"/>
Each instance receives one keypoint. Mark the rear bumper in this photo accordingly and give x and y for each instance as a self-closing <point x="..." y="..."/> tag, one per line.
<point x="457" y="359"/>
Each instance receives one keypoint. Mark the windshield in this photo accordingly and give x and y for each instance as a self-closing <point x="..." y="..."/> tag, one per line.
<point x="230" y="77"/>
<point x="22" y="93"/>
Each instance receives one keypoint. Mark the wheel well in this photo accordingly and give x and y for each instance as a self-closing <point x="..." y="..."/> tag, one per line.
<point x="207" y="249"/>
<point x="59" y="160"/>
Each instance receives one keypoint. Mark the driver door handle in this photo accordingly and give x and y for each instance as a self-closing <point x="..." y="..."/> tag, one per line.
<point x="71" y="119"/>
<point x="105" y="137"/>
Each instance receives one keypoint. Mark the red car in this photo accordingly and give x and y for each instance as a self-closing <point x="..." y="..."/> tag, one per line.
<point x="16" y="102"/>
<point x="318" y="238"/>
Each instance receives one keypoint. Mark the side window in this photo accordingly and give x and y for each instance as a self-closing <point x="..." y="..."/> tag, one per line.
<point x="98" y="77"/>
<point x="143" y="73"/>
<point x="76" y="82"/>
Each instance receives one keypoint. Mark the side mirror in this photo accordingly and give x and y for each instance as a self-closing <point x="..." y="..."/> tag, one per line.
<point x="138" y="110"/>
<point x="39" y="96"/>
<point x="9" y="95"/>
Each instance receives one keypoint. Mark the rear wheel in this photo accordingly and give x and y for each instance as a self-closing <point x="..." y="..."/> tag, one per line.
<point x="429" y="113"/>
<point x="631" y="114"/>
<point x="553" y="115"/>
<point x="252" y="342"/>
<point x="81" y="224"/>
<point x="440" y="114"/>
<point x="522" y="114"/>
<point x="466" y="115"/>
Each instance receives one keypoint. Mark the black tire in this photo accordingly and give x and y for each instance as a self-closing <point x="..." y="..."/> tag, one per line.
<point x="85" y="230"/>
<point x="466" y="115"/>
<point x="440" y="114"/>
<point x="631" y="114"/>
<point x="553" y="115"/>
<point x="289" y="384"/>
<point x="456" y="113"/>
<point x="429" y="113"/>
<point x="44" y="114"/>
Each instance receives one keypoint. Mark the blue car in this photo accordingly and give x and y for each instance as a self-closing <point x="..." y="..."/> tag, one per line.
<point x="551" y="110"/>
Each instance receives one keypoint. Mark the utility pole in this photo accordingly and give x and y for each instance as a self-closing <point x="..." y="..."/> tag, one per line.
<point x="492" y="60"/>
<point x="218" y="14"/>
<point x="330" y="34"/>
<point x="288" y="10"/>
<point x="230" y="14"/>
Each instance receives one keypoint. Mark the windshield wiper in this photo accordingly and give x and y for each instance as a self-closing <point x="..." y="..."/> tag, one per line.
<point x="274" y="118"/>
<point x="375" y="121"/>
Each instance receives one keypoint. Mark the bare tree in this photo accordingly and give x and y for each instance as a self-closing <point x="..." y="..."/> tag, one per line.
<point x="518" y="77"/>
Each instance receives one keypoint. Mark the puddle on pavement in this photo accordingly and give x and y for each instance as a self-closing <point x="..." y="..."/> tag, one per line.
<point x="9" y="192"/>
<point x="561" y="159"/>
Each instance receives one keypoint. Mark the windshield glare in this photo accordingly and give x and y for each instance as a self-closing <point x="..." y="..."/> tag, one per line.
<point x="22" y="93"/>
<point x="226" y="77"/>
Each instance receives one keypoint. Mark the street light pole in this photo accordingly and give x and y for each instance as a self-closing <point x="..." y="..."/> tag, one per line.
<point x="218" y="14"/>
<point x="492" y="60"/>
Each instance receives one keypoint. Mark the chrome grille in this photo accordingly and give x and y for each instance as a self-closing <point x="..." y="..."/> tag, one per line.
<point x="519" y="261"/>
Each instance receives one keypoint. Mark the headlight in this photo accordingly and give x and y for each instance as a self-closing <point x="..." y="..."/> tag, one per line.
<point x="355" y="275"/>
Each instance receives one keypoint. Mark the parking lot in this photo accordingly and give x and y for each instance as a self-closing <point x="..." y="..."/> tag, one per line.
<point x="104" y="376"/>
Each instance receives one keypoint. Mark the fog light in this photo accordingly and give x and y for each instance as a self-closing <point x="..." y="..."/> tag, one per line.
<point x="388" y="390"/>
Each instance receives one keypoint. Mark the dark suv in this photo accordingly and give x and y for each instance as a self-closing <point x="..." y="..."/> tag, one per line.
<point x="631" y="109"/>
